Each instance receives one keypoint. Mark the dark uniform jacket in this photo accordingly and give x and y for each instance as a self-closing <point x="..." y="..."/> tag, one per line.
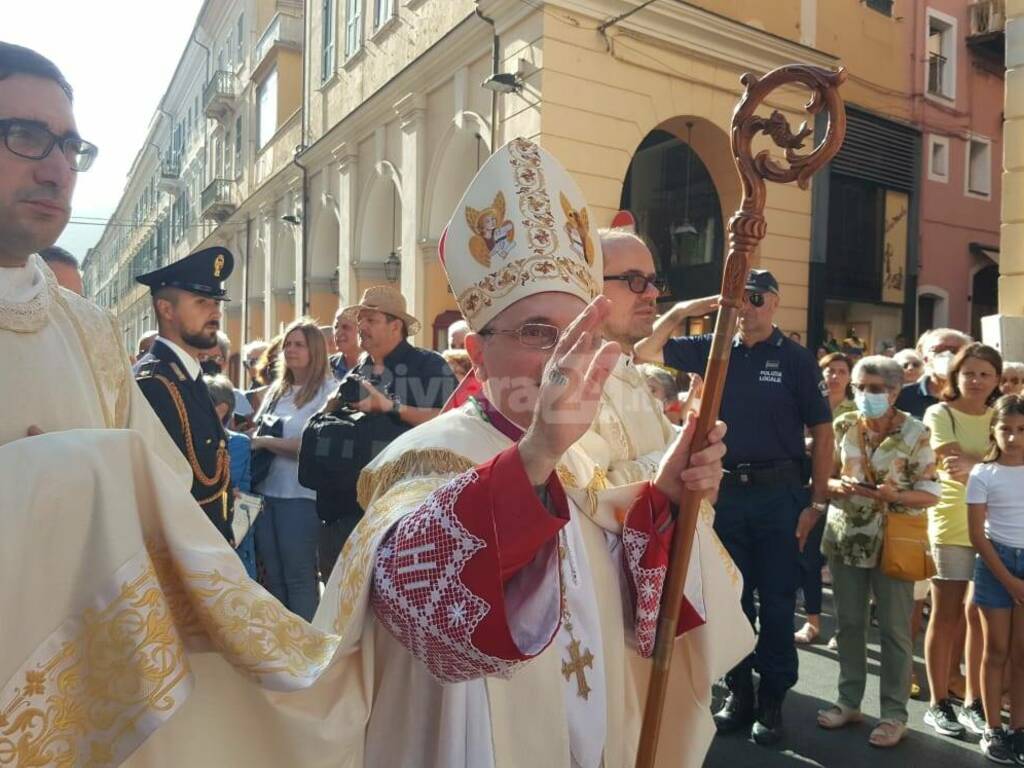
<point x="184" y="406"/>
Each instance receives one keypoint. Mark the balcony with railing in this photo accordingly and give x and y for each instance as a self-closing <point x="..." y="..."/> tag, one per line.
<point x="937" y="84"/>
<point x="220" y="95"/>
<point x="986" y="37"/>
<point x="170" y="175"/>
<point x="219" y="200"/>
<point x="284" y="31"/>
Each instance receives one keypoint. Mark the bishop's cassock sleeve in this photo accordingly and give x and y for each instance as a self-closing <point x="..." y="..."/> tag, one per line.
<point x="646" y="545"/>
<point x="468" y="582"/>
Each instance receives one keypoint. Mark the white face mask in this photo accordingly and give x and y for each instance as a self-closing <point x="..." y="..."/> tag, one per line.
<point x="940" y="364"/>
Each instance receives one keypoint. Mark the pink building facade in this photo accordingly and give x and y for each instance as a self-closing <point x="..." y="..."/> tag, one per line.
<point x="957" y="105"/>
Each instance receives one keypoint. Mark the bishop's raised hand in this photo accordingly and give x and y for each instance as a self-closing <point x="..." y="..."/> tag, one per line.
<point x="570" y="391"/>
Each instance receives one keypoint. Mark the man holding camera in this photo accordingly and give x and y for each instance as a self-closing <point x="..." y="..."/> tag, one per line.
<point x="399" y="384"/>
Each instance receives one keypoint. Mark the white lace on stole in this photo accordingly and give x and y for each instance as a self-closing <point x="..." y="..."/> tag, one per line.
<point x="24" y="298"/>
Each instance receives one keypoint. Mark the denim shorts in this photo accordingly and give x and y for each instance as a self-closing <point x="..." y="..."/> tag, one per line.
<point x="988" y="590"/>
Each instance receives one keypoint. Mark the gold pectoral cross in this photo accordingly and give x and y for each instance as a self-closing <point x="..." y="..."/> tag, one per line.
<point x="575" y="666"/>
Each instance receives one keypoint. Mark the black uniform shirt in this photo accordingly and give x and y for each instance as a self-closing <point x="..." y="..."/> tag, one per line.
<point x="773" y="390"/>
<point x="184" y="406"/>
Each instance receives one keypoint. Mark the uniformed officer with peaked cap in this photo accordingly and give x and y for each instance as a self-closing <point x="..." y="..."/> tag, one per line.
<point x="186" y="301"/>
<point x="766" y="509"/>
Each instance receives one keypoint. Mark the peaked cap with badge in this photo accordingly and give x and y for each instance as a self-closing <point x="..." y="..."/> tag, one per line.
<point x="202" y="272"/>
<point x="522" y="228"/>
<point x="183" y="403"/>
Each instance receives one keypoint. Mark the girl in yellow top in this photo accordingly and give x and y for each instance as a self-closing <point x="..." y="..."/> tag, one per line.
<point x="960" y="427"/>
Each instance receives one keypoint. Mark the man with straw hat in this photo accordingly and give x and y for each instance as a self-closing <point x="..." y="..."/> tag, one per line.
<point x="496" y="586"/>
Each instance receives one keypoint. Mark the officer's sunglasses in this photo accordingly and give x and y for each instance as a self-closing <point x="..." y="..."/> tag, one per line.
<point x="532" y="335"/>
<point x="34" y="141"/>
<point x="638" y="283"/>
<point x="755" y="299"/>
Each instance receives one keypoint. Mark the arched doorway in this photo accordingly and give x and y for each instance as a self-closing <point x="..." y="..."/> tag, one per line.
<point x="984" y="296"/>
<point x="681" y="221"/>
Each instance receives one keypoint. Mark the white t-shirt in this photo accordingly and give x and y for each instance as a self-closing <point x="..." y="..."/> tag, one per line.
<point x="1002" y="489"/>
<point x="282" y="480"/>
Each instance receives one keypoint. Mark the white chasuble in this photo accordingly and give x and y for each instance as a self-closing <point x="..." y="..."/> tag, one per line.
<point x="458" y="672"/>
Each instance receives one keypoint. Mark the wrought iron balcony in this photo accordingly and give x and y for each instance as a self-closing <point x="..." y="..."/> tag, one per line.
<point x="219" y="200"/>
<point x="170" y="175"/>
<point x="937" y="74"/>
<point x="220" y="95"/>
<point x="987" y="37"/>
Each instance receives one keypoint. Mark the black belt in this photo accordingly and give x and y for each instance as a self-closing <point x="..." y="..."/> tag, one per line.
<point x="786" y="472"/>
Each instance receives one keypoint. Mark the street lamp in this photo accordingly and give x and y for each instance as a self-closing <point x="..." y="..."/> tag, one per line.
<point x="392" y="267"/>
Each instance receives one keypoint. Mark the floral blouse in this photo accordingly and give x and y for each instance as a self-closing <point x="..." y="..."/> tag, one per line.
<point x="904" y="458"/>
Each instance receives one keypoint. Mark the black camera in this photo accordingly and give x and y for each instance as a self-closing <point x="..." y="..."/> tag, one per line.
<point x="352" y="390"/>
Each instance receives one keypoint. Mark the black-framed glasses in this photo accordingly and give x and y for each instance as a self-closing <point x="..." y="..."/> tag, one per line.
<point x="755" y="299"/>
<point x="638" y="283"/>
<point x="34" y="141"/>
<point x="532" y="335"/>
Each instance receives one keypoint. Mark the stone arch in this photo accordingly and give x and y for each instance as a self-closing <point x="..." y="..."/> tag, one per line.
<point x="323" y="229"/>
<point x="380" y="220"/>
<point x="460" y="153"/>
<point x="690" y="253"/>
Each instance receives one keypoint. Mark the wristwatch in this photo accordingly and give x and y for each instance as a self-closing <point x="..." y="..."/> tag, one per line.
<point x="396" y="407"/>
<point x="819" y="506"/>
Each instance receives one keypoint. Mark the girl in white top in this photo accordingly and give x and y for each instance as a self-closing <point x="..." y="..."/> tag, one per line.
<point x="995" y="502"/>
<point x="288" y="528"/>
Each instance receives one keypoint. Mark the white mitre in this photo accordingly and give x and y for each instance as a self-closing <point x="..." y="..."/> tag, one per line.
<point x="522" y="228"/>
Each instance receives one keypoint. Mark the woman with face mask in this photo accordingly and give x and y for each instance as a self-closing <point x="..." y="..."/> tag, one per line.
<point x="884" y="465"/>
<point x="960" y="426"/>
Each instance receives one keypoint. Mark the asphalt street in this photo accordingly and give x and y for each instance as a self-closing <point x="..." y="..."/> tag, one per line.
<point x="805" y="744"/>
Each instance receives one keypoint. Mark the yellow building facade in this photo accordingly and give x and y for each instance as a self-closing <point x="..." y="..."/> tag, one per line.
<point x="381" y="120"/>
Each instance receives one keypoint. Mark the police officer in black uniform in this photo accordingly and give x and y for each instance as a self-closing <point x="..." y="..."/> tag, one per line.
<point x="186" y="300"/>
<point x="765" y="510"/>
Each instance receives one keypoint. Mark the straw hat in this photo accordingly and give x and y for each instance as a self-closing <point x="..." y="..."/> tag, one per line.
<point x="522" y="228"/>
<point x="386" y="299"/>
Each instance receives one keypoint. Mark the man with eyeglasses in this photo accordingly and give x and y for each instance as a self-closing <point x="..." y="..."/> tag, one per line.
<point x="937" y="348"/>
<point x="73" y="372"/>
<point x="765" y="512"/>
<point x="494" y="543"/>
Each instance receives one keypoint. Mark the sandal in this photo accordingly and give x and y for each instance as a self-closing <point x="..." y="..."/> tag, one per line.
<point x="838" y="716"/>
<point x="806" y="635"/>
<point x="888" y="733"/>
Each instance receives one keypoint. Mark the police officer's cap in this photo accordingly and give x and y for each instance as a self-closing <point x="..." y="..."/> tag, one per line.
<point x="761" y="281"/>
<point x="202" y="272"/>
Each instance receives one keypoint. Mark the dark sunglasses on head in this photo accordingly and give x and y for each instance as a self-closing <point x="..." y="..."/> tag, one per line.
<point x="34" y="141"/>
<point x="638" y="283"/>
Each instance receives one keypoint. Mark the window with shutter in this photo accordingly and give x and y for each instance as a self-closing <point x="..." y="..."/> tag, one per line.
<point x="353" y="27"/>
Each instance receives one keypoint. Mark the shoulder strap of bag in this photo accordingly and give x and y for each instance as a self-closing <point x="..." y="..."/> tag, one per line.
<point x="952" y="418"/>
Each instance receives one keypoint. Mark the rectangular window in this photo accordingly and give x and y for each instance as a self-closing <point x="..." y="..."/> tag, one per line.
<point x="238" y="147"/>
<point x="327" y="53"/>
<point x="266" y="109"/>
<point x="882" y="6"/>
<point x="938" y="158"/>
<point x="383" y="10"/>
<point x="941" y="59"/>
<point x="239" y="39"/>
<point x="353" y="26"/>
<point x="979" y="167"/>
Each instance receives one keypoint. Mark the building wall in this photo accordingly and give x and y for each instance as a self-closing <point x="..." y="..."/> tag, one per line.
<point x="599" y="101"/>
<point x="951" y="218"/>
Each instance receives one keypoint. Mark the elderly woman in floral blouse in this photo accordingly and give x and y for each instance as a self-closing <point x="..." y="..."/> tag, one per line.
<point x="884" y="465"/>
